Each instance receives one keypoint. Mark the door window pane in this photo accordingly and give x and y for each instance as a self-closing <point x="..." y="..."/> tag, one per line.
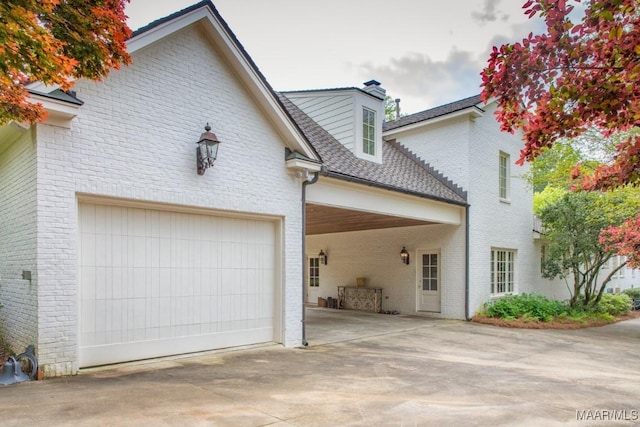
<point x="430" y="272"/>
<point x="314" y="272"/>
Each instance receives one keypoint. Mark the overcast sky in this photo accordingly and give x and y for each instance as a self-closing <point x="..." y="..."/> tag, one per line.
<point x="425" y="52"/>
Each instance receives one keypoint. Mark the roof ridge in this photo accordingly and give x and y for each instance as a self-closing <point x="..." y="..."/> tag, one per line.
<point x="446" y="181"/>
<point x="459" y="101"/>
<point x="174" y="15"/>
<point x="430" y="113"/>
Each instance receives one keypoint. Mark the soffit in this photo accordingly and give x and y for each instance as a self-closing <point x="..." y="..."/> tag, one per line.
<point x="327" y="219"/>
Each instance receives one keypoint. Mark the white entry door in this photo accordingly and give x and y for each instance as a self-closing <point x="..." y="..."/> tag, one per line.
<point x="313" y="279"/>
<point x="155" y="283"/>
<point x="428" y="281"/>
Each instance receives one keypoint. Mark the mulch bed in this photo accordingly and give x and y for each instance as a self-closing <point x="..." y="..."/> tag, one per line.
<point x="554" y="324"/>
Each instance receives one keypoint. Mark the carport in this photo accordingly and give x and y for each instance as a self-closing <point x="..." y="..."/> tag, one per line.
<point x="361" y="213"/>
<point x="362" y="229"/>
<point x="325" y="325"/>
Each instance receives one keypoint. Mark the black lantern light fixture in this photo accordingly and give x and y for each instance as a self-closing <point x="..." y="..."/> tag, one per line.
<point x="404" y="256"/>
<point x="324" y="258"/>
<point x="207" y="150"/>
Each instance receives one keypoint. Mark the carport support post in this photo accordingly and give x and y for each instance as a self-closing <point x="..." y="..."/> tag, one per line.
<point x="304" y="256"/>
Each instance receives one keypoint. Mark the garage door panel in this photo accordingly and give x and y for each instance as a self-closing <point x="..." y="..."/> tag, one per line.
<point x="155" y="283"/>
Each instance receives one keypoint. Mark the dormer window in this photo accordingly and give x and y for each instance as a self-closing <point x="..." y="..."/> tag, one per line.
<point x="368" y="131"/>
<point x="352" y="116"/>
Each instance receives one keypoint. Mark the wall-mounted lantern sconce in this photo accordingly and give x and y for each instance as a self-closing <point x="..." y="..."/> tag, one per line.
<point x="324" y="258"/>
<point x="404" y="256"/>
<point x="207" y="150"/>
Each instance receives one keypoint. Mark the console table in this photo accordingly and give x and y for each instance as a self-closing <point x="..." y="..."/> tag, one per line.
<point x="360" y="298"/>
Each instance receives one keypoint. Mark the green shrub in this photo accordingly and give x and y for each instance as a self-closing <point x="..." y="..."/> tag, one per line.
<point x="526" y="306"/>
<point x="614" y="304"/>
<point x="633" y="293"/>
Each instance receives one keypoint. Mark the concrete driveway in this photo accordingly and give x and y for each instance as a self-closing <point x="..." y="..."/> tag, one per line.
<point x="361" y="370"/>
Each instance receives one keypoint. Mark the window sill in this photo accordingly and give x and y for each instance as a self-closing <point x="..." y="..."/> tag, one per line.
<point x="505" y="201"/>
<point x="495" y="297"/>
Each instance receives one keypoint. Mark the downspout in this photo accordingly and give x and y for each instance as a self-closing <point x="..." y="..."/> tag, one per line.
<point x="466" y="267"/>
<point x="306" y="182"/>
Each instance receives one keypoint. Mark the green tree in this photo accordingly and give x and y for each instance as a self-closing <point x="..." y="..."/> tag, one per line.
<point x="551" y="172"/>
<point x="549" y="196"/>
<point x="391" y="109"/>
<point x="554" y="165"/>
<point x="572" y="225"/>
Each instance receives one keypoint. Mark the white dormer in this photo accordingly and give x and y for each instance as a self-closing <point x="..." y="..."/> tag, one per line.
<point x="352" y="116"/>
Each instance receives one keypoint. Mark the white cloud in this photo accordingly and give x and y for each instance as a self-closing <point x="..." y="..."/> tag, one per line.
<point x="422" y="52"/>
<point x="489" y="13"/>
<point x="423" y="83"/>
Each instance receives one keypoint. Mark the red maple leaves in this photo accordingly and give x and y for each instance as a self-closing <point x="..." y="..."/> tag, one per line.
<point x="576" y="76"/>
<point x="55" y="42"/>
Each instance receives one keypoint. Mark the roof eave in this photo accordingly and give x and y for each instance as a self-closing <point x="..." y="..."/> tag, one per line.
<point x="329" y="91"/>
<point x="303" y="165"/>
<point x="349" y="178"/>
<point x="59" y="113"/>
<point x="472" y="112"/>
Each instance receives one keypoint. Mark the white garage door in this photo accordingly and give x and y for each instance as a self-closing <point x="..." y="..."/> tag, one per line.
<point x="156" y="283"/>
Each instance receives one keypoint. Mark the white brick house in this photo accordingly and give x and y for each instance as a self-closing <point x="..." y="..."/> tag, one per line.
<point x="463" y="139"/>
<point x="131" y="254"/>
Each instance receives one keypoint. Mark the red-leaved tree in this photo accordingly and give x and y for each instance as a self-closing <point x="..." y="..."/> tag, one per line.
<point x="55" y="42"/>
<point x="579" y="75"/>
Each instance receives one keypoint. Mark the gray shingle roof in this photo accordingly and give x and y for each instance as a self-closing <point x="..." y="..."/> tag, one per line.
<point x="433" y="113"/>
<point x="60" y="95"/>
<point x="399" y="171"/>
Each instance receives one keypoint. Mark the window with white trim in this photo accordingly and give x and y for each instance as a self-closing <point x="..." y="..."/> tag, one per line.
<point x="503" y="273"/>
<point x="503" y="176"/>
<point x="314" y="272"/>
<point x="368" y="131"/>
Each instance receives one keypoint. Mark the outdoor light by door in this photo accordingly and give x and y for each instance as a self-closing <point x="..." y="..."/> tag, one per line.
<point x="324" y="258"/>
<point x="404" y="256"/>
<point x="207" y="150"/>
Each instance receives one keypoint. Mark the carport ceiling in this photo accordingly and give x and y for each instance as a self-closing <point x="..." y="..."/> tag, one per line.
<point x="326" y="219"/>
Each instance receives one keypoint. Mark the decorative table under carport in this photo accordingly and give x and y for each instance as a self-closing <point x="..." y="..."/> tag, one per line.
<point x="360" y="298"/>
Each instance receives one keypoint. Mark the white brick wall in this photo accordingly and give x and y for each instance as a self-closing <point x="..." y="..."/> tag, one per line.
<point x="494" y="223"/>
<point x="375" y="254"/>
<point x="445" y="147"/>
<point x="467" y="152"/>
<point x="135" y="139"/>
<point x="18" y="322"/>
